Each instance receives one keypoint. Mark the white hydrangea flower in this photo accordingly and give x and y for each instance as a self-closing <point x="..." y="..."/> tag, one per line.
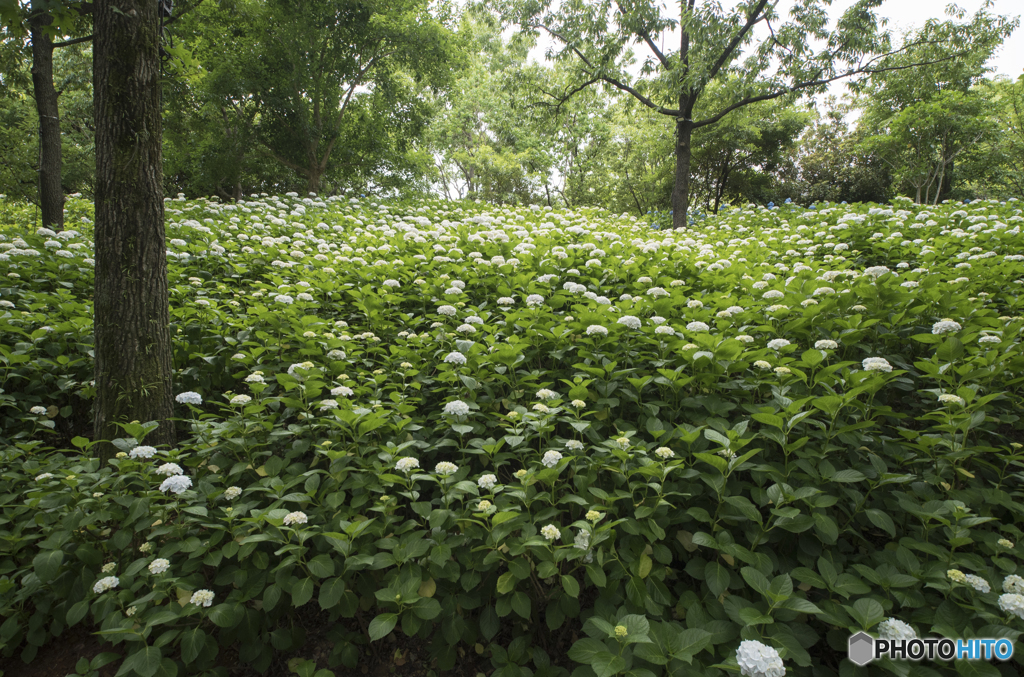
<point x="825" y="344"/>
<point x="949" y="398"/>
<point x="456" y="408"/>
<point x="761" y="364"/>
<point x="455" y="358"/>
<point x="189" y="397"/>
<point x="1014" y="584"/>
<point x="142" y="452"/>
<point x="596" y="329"/>
<point x="241" y="399"/>
<point x="104" y="584"/>
<point x="697" y="326"/>
<point x="745" y="338"/>
<point x="406" y="464"/>
<point x="778" y="344"/>
<point x="487" y="481"/>
<point x="550" y="532"/>
<point x="545" y="394"/>
<point x="946" y="326"/>
<point x="202" y="598"/>
<point x="1012" y="603"/>
<point x="893" y="628"/>
<point x="876" y="364"/>
<point x="551" y="459"/>
<point x="328" y="405"/>
<point x="158" y="566"/>
<point x="759" y="660"/>
<point x="534" y="300"/>
<point x="630" y="321"/>
<point x="978" y="583"/>
<point x="446" y="468"/>
<point x="297" y="517"/>
<point x="177" y="484"/>
<point x="231" y="493"/>
<point x="169" y="469"/>
<point x="341" y="391"/>
<point x="664" y="453"/>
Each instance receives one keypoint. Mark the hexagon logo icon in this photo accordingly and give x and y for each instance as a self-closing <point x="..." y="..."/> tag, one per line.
<point x="861" y="649"/>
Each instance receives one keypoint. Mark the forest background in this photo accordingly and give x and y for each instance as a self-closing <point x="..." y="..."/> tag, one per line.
<point x="411" y="98"/>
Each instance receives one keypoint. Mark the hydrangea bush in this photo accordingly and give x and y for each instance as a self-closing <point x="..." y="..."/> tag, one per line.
<point x="557" y="437"/>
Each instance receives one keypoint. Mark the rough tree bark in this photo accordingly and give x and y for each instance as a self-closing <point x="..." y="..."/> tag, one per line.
<point x="132" y="320"/>
<point x="51" y="194"/>
<point x="681" y="188"/>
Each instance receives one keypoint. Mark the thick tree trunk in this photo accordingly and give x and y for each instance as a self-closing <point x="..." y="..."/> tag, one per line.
<point x="51" y="194"/>
<point x="681" y="190"/>
<point x="133" y="341"/>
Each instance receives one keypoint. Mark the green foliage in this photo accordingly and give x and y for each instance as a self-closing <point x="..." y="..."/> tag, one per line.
<point x="19" y="124"/>
<point x="626" y="475"/>
<point x="328" y="89"/>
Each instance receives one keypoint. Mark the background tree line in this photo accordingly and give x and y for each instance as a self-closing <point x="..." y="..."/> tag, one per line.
<point x="385" y="97"/>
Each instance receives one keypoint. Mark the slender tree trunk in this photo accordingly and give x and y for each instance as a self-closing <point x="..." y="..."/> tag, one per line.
<point x="51" y="194"/>
<point x="132" y="321"/>
<point x="313" y="180"/>
<point x="681" y="190"/>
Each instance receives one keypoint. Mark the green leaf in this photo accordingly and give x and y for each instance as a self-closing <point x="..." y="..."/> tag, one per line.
<point x="331" y="592"/>
<point x="47" y="564"/>
<point x="866" y="611"/>
<point x="800" y="605"/>
<point x="755" y="579"/>
<point x="382" y="625"/>
<point x="967" y="668"/>
<point x="506" y="583"/>
<point x="881" y="520"/>
<point x="322" y="566"/>
<point x="596" y="575"/>
<point x="584" y="650"/>
<point x="571" y="586"/>
<point x="77" y="612"/>
<point x="950" y="350"/>
<point x="521" y="604"/>
<point x="302" y="592"/>
<point x="717" y="578"/>
<point x="192" y="642"/>
<point x="226" y="615"/>
<point x="848" y="476"/>
<point x="606" y="664"/>
<point x="145" y="661"/>
<point x="769" y="419"/>
<point x="427" y="608"/>
<point x="690" y="642"/>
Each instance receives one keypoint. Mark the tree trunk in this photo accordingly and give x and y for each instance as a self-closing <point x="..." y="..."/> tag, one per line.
<point x="133" y="341"/>
<point x="681" y="190"/>
<point x="51" y="194"/>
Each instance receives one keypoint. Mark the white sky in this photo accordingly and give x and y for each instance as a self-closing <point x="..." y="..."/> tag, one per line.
<point x="902" y="15"/>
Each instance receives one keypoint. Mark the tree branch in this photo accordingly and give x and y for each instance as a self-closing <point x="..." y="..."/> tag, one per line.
<point x="596" y="74"/>
<point x="752" y="20"/>
<point x="650" y="43"/>
<point x="814" y="83"/>
<point x="68" y="43"/>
